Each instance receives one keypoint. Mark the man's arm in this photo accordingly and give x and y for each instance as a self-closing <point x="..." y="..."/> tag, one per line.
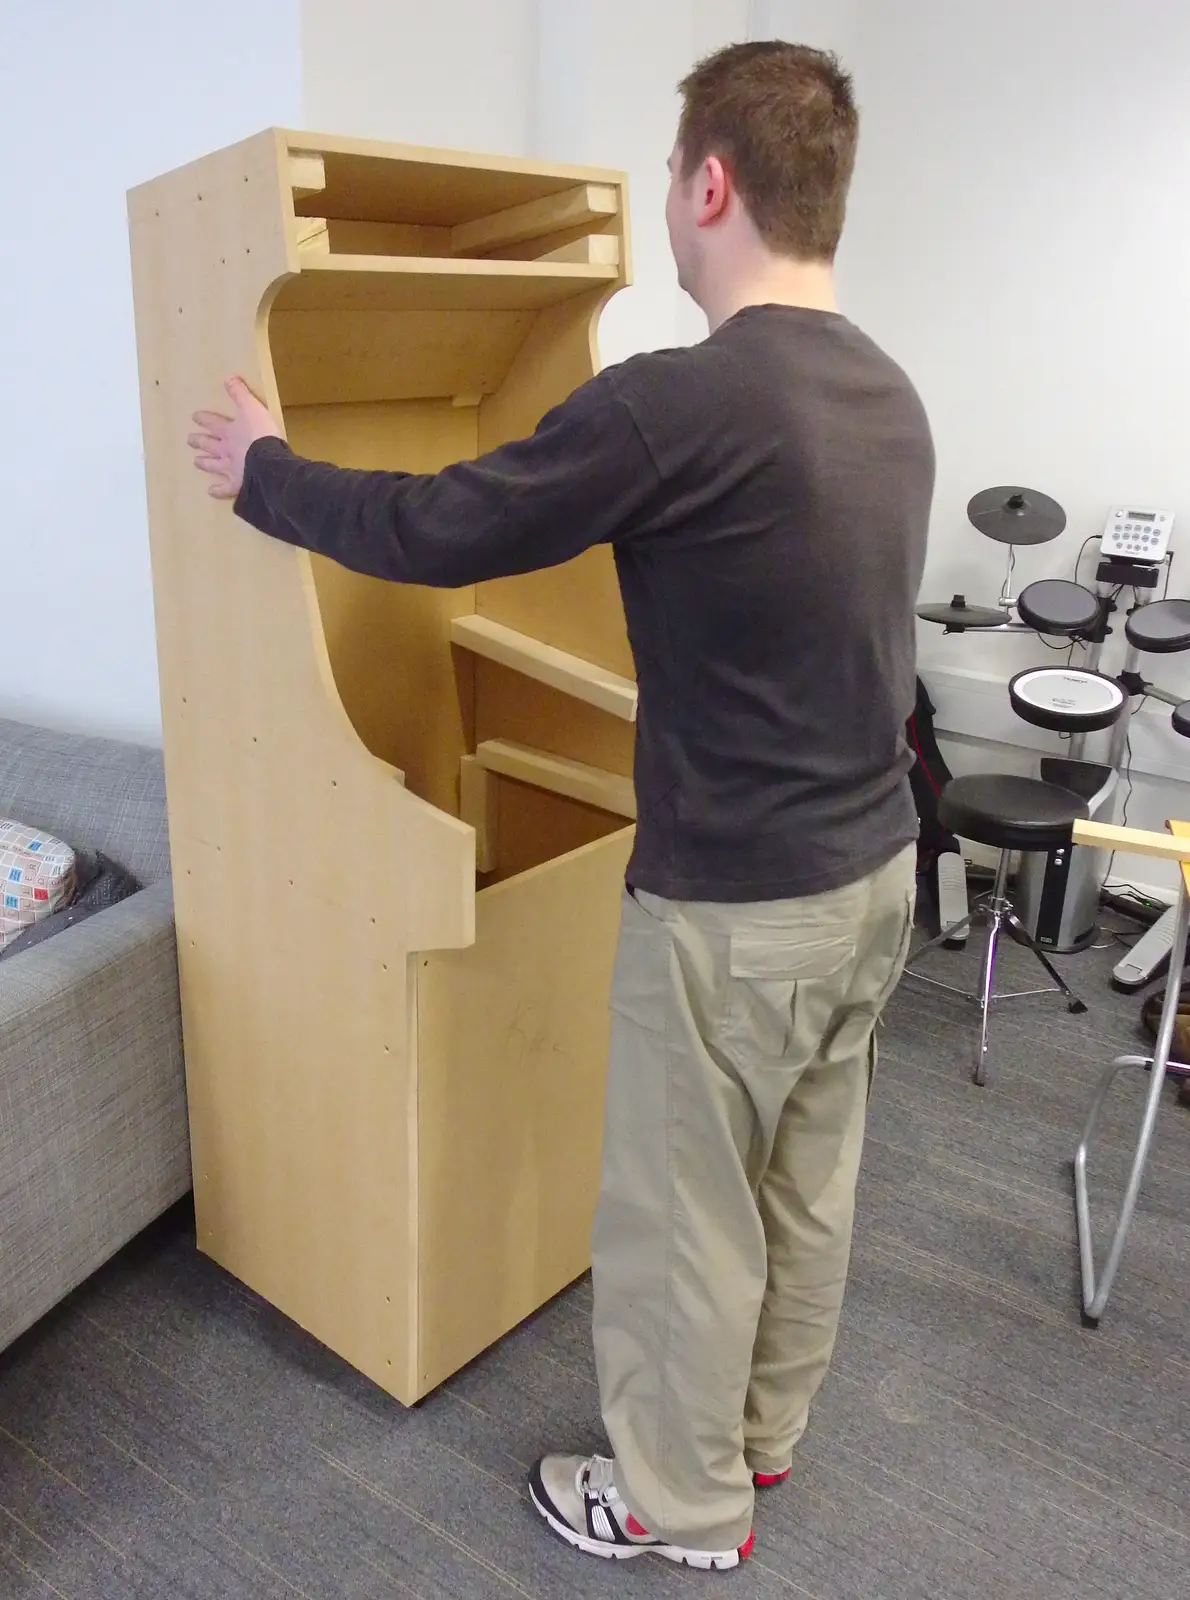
<point x="584" y="477"/>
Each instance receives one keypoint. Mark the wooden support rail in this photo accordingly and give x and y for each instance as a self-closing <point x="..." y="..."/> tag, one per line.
<point x="574" y="779"/>
<point x="557" y="668"/>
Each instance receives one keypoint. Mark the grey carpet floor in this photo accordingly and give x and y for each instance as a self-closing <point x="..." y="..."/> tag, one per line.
<point x="165" y="1434"/>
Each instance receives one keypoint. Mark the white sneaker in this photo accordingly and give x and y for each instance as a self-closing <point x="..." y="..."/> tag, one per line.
<point x="578" y="1498"/>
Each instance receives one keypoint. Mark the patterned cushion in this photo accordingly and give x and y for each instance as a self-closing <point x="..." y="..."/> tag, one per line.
<point x="36" y="877"/>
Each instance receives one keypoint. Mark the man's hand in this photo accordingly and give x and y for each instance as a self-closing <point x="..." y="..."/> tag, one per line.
<point x="221" y="447"/>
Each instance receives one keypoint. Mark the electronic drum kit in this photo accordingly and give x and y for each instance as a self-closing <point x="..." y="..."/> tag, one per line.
<point x="1065" y="698"/>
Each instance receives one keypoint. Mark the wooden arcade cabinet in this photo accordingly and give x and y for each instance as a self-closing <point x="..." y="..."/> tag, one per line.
<point x="399" y="816"/>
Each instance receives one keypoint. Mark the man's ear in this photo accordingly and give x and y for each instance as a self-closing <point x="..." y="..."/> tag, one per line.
<point x="714" y="190"/>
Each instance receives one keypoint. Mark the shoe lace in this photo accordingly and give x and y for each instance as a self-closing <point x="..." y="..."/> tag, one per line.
<point x="599" y="1479"/>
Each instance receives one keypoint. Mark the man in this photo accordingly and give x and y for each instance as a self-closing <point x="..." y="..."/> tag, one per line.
<point x="766" y="495"/>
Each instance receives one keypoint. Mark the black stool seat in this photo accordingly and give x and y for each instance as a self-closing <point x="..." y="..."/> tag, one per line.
<point x="1009" y="813"/>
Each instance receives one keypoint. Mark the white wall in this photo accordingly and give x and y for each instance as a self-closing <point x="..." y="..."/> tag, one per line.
<point x="621" y="65"/>
<point x="1019" y="237"/>
<point x="94" y="99"/>
<point x="458" y="74"/>
<point x="825" y="24"/>
<point x="586" y="81"/>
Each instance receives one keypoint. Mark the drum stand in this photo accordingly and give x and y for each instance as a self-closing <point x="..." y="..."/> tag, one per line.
<point x="1099" y="784"/>
<point x="1097" y="1287"/>
<point x="1150" y="954"/>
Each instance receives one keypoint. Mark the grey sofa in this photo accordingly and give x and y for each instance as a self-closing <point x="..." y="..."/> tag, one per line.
<point x="93" y="1134"/>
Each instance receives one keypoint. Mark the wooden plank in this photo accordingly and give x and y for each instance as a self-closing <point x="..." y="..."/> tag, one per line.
<point x="371" y="180"/>
<point x="312" y="236"/>
<point x="351" y="238"/>
<point x="586" y="202"/>
<point x="575" y="779"/>
<point x="593" y="249"/>
<point x="574" y="676"/>
<point x="307" y="173"/>
<point x="510" y="706"/>
<point x="1181" y="830"/>
<point x="411" y="283"/>
<point x="352" y="354"/>
<point x="1136" y="841"/>
<point x="512" y="1115"/>
<point x="478" y="809"/>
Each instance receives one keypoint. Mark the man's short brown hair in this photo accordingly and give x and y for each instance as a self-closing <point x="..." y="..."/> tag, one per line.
<point x="782" y="119"/>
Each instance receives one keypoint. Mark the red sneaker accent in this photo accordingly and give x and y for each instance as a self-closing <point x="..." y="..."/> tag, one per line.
<point x="746" y="1547"/>
<point x="635" y="1529"/>
<point x="766" y="1480"/>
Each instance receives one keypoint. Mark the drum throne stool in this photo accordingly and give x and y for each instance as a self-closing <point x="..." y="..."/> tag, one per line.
<point x="1007" y="813"/>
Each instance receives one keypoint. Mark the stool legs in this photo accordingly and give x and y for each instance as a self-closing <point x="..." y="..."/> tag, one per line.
<point x="1000" y="911"/>
<point x="998" y="904"/>
<point x="1022" y="933"/>
<point x="1095" y="1293"/>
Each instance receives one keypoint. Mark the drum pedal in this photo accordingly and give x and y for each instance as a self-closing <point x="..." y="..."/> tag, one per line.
<point x="1148" y="958"/>
<point x="951" y="872"/>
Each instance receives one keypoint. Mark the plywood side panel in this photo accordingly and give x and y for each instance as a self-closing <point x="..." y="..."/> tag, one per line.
<point x="269" y="786"/>
<point x="410" y="699"/>
<point x="577" y="606"/>
<point x="510" y="1155"/>
<point x="303" y="1178"/>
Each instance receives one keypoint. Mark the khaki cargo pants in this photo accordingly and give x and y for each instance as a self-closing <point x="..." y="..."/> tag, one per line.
<point x="741" y="1058"/>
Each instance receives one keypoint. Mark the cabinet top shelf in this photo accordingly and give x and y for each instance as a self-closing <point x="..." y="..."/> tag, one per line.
<point x="366" y="178"/>
<point x="426" y="283"/>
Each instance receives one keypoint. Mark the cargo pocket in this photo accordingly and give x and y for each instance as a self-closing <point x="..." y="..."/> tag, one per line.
<point x="771" y="974"/>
